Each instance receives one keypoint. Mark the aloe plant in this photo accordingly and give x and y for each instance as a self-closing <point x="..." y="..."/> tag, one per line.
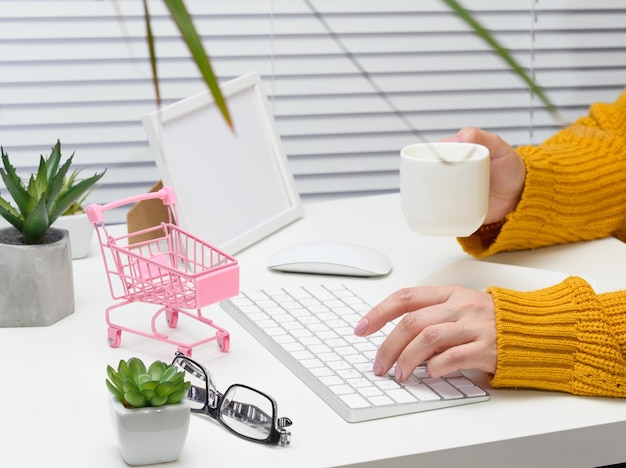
<point x="68" y="183"/>
<point x="41" y="198"/>
<point x="136" y="386"/>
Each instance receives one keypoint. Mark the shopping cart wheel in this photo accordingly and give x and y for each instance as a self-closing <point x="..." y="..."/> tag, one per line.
<point x="115" y="337"/>
<point x="224" y="343"/>
<point x="185" y="351"/>
<point x="171" y="316"/>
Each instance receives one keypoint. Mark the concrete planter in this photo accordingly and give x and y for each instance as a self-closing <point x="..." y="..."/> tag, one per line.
<point x="37" y="282"/>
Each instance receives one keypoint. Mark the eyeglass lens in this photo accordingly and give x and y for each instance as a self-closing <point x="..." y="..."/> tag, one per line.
<point x="247" y="412"/>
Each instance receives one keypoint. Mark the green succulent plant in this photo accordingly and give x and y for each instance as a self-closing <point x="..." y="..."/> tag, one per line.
<point x="136" y="386"/>
<point x="44" y="196"/>
<point x="68" y="183"/>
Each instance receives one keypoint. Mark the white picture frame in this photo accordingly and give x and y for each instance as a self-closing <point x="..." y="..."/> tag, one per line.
<point x="233" y="188"/>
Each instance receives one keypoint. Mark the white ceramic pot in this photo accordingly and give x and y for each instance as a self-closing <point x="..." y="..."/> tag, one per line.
<point x="81" y="232"/>
<point x="151" y="435"/>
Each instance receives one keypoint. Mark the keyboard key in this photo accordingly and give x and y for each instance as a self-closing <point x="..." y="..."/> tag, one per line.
<point x="317" y="328"/>
<point x="301" y="355"/>
<point x="312" y="364"/>
<point x="472" y="391"/>
<point x="329" y="357"/>
<point x="421" y="373"/>
<point x="341" y="389"/>
<point x="298" y="293"/>
<point x="339" y="365"/>
<point x="320" y="293"/>
<point x="311" y="341"/>
<point x="346" y="351"/>
<point x="354" y="401"/>
<point x="359" y="382"/>
<point x="274" y="331"/>
<point x="319" y="371"/>
<point x="349" y="373"/>
<point x="365" y="346"/>
<point x="369" y="391"/>
<point x="319" y="348"/>
<point x="443" y="388"/>
<point x="256" y="296"/>
<point x="282" y="339"/>
<point x="327" y="335"/>
<point x="382" y="400"/>
<point x="258" y="316"/>
<point x="326" y="317"/>
<point x="421" y="391"/>
<point x="387" y="384"/>
<point x="266" y="323"/>
<point x="400" y="396"/>
<point x="331" y="380"/>
<point x="336" y="342"/>
<point x="308" y="319"/>
<point x="301" y="333"/>
<point x="293" y="346"/>
<point x="357" y="358"/>
<point x="460" y="382"/>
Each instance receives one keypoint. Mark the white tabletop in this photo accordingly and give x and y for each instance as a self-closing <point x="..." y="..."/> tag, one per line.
<point x="54" y="407"/>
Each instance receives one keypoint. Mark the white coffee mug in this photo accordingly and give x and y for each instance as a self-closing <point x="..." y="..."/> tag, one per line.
<point x="444" y="187"/>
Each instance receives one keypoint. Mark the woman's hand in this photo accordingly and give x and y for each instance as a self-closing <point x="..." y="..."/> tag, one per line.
<point x="507" y="171"/>
<point x="450" y="327"/>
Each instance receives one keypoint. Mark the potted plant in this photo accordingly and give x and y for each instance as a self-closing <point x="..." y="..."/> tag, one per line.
<point x="149" y="410"/>
<point x="74" y="219"/>
<point x="35" y="259"/>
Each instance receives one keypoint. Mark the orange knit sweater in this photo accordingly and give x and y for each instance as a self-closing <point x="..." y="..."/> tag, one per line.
<point x="566" y="337"/>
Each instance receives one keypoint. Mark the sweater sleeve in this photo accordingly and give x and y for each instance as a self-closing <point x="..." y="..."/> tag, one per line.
<point x="563" y="338"/>
<point x="566" y="337"/>
<point x="574" y="188"/>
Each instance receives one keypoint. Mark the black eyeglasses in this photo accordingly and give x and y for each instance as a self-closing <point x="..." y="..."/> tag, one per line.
<point x="242" y="410"/>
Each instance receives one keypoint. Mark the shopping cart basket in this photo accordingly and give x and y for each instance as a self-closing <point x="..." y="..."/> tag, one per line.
<point x="173" y="269"/>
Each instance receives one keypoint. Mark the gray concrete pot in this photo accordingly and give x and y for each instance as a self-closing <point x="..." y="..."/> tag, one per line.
<point x="36" y="281"/>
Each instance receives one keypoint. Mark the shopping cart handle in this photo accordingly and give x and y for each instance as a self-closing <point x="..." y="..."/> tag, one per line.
<point x="95" y="212"/>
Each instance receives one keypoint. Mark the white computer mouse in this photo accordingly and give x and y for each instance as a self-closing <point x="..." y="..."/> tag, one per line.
<point x="331" y="258"/>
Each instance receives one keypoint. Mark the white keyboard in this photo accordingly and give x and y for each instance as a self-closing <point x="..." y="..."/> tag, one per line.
<point x="310" y="329"/>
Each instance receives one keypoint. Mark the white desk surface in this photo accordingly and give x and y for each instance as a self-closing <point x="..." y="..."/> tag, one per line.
<point x="45" y="424"/>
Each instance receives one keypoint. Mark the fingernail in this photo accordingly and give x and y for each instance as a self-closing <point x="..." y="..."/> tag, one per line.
<point x="361" y="327"/>
<point x="378" y="367"/>
<point x="397" y="373"/>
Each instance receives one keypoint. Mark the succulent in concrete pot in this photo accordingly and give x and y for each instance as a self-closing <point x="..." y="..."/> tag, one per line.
<point x="36" y="259"/>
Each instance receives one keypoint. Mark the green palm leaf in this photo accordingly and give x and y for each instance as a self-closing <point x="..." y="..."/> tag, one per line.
<point x="185" y="25"/>
<point x="501" y="51"/>
<point x="183" y="21"/>
<point x="181" y="17"/>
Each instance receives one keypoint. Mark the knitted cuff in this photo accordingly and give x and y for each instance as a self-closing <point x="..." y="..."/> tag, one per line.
<point x="557" y="339"/>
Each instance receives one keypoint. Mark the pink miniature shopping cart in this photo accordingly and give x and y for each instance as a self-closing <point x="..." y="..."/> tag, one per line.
<point x="173" y="269"/>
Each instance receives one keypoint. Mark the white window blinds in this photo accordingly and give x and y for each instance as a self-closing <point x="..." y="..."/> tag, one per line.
<point x="71" y="70"/>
